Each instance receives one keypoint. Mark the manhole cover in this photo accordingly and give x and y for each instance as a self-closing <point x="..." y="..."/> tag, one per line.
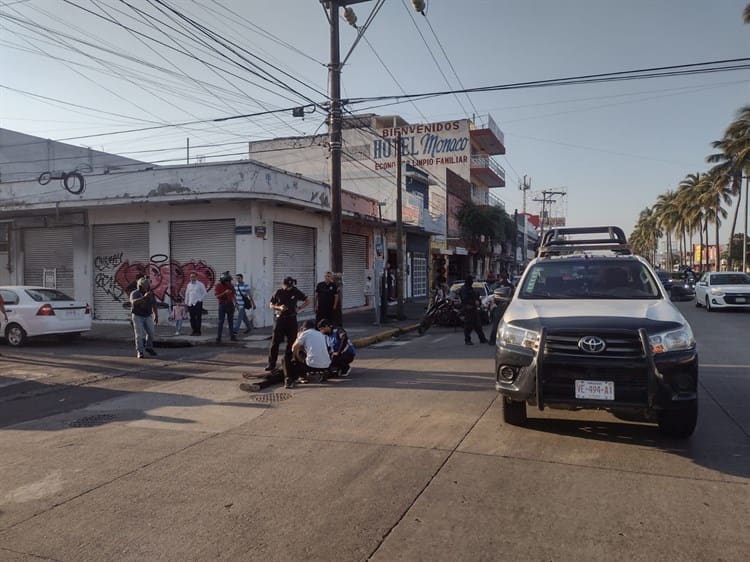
<point x="92" y="421"/>
<point x="272" y="397"/>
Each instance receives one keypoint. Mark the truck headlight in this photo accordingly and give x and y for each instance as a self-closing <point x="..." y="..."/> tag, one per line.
<point x="511" y="335"/>
<point x="675" y="340"/>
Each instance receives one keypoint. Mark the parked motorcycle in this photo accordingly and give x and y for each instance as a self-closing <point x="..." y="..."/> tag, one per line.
<point x="443" y="312"/>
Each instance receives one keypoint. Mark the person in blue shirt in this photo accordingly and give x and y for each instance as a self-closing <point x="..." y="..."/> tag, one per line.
<point x="340" y="347"/>
<point x="244" y="303"/>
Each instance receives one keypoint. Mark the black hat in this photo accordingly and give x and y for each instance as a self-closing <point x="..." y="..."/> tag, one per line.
<point x="289" y="281"/>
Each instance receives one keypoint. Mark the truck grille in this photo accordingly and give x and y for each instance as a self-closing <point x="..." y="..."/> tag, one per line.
<point x="621" y="344"/>
<point x="623" y="362"/>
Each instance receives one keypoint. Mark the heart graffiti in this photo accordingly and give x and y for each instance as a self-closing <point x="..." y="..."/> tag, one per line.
<point x="167" y="279"/>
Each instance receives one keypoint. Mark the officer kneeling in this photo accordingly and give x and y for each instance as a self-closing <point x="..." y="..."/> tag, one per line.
<point x="340" y="348"/>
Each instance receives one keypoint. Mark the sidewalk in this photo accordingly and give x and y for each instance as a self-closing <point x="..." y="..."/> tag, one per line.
<point x="360" y="326"/>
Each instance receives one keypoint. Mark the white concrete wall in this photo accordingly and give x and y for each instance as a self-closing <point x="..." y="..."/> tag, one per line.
<point x="254" y="256"/>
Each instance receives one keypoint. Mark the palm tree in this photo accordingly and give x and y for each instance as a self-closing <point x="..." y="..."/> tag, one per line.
<point x="668" y="218"/>
<point x="691" y="188"/>
<point x="746" y="14"/>
<point x="716" y="190"/>
<point x="645" y="235"/>
<point x="734" y="159"/>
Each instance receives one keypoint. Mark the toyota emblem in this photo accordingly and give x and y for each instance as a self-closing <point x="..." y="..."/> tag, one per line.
<point x="592" y="344"/>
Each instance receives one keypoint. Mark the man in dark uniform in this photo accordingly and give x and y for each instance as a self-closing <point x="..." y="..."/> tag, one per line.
<point x="285" y="304"/>
<point x="471" y="303"/>
<point x="326" y="299"/>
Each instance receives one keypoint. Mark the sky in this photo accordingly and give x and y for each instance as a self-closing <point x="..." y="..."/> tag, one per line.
<point x="86" y="71"/>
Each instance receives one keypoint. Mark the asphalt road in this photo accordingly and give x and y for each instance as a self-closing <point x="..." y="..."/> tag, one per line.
<point x="104" y="457"/>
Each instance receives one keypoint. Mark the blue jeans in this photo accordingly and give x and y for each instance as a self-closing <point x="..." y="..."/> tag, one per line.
<point x="226" y="311"/>
<point x="143" y="326"/>
<point x="241" y="317"/>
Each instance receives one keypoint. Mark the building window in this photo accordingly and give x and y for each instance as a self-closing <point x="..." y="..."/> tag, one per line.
<point x="4" y="234"/>
<point x="419" y="275"/>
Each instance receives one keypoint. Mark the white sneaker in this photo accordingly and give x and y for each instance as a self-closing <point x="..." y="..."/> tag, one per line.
<point x="348" y="372"/>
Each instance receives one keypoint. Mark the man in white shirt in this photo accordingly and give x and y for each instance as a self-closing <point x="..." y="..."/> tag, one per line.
<point x="195" y="292"/>
<point x="310" y="349"/>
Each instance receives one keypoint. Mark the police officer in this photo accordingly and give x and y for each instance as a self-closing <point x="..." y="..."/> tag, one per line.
<point x="471" y="303"/>
<point x="285" y="303"/>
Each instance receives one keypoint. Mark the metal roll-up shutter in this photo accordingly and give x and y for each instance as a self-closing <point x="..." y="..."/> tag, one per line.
<point x="355" y="263"/>
<point x="294" y="255"/>
<point x="49" y="249"/>
<point x="120" y="251"/>
<point x="208" y="247"/>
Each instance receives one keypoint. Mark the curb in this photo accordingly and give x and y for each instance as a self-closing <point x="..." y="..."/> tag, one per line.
<point x="375" y="338"/>
<point x="167" y="343"/>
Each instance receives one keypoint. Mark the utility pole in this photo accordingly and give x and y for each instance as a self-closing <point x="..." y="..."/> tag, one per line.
<point x="334" y="127"/>
<point x="399" y="234"/>
<point x="744" y="237"/>
<point x="525" y="186"/>
<point x="547" y="197"/>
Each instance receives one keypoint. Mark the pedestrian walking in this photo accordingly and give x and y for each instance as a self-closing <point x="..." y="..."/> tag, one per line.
<point x="326" y="299"/>
<point x="195" y="292"/>
<point x="471" y="303"/>
<point x="226" y="295"/>
<point x="286" y="302"/>
<point x="179" y="314"/>
<point x="144" y="315"/>
<point x="245" y="303"/>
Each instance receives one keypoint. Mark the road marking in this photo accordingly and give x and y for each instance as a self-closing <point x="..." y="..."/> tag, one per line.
<point x="390" y="343"/>
<point x="717" y="366"/>
<point x="440" y="339"/>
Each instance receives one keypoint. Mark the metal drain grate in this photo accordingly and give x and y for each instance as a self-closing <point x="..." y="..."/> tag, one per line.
<point x="272" y="397"/>
<point x="92" y="421"/>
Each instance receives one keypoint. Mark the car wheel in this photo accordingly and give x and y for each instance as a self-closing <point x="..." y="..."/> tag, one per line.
<point x="708" y="305"/>
<point x="514" y="413"/>
<point x="680" y="422"/>
<point x="697" y="302"/>
<point x="15" y="335"/>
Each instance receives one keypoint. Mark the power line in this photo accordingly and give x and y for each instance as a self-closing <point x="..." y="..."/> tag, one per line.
<point x="437" y="64"/>
<point x="640" y="74"/>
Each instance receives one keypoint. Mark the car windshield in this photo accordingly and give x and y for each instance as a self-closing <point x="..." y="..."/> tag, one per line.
<point x="730" y="279"/>
<point x="589" y="279"/>
<point x="47" y="295"/>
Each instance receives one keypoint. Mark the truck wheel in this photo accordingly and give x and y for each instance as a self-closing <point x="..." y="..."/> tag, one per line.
<point x="514" y="413"/>
<point x="679" y="423"/>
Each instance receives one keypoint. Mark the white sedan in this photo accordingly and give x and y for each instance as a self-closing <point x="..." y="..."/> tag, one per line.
<point x="723" y="289"/>
<point x="38" y="311"/>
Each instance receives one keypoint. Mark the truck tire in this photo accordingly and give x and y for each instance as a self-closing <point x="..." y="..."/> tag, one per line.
<point x="679" y="423"/>
<point x="514" y="413"/>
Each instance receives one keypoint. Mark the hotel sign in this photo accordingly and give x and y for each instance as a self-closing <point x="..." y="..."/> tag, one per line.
<point x="430" y="146"/>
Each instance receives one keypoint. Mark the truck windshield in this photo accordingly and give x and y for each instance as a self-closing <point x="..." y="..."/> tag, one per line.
<point x="589" y="279"/>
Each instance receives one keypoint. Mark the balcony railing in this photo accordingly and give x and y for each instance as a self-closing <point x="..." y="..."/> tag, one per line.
<point x="495" y="201"/>
<point x="487" y="122"/>
<point x="482" y="161"/>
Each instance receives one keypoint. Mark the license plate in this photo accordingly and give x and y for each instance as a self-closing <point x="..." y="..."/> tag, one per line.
<point x="595" y="390"/>
<point x="740" y="299"/>
<point x="71" y="313"/>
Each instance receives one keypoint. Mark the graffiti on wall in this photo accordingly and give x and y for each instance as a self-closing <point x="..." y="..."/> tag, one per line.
<point x="168" y="277"/>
